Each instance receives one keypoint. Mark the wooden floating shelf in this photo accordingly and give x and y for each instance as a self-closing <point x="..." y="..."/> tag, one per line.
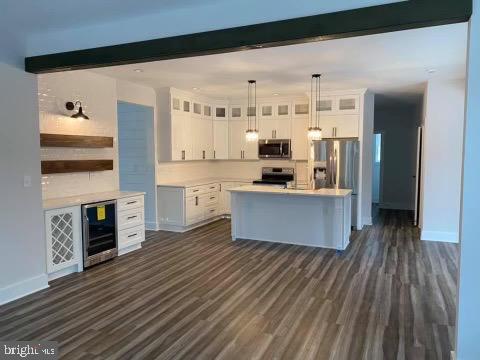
<point x="75" y="141"/>
<point x="72" y="166"/>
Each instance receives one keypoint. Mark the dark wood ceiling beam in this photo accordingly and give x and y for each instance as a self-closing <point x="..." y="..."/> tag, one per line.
<point x="364" y="21"/>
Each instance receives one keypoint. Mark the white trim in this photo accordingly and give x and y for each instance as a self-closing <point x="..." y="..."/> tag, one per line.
<point x="23" y="288"/>
<point x="367" y="220"/>
<point x="151" y="225"/>
<point x="129" y="249"/>
<point x="443" y="236"/>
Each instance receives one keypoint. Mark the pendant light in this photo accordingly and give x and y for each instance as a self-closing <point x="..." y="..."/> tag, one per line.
<point x="252" y="133"/>
<point x="79" y="115"/>
<point x="314" y="130"/>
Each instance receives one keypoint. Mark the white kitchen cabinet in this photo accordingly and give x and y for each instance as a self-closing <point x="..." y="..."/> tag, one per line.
<point x="181" y="209"/>
<point x="220" y="139"/>
<point x="63" y="233"/>
<point x="275" y="128"/>
<point x="348" y="104"/>
<point x="202" y="138"/>
<point x="339" y="126"/>
<point x="181" y="138"/>
<point x="266" y="129"/>
<point x="240" y="148"/>
<point x="130" y="223"/>
<point x="300" y="138"/>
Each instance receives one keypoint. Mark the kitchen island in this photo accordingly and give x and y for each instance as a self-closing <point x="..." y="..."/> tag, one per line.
<point x="320" y="218"/>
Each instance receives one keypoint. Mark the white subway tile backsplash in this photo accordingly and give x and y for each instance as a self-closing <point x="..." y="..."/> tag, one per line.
<point x="98" y="96"/>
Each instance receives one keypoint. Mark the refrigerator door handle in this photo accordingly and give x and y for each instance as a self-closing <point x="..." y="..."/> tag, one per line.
<point x="335" y="168"/>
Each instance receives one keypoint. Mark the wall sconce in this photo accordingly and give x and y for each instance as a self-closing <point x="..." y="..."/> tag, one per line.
<point x="79" y="115"/>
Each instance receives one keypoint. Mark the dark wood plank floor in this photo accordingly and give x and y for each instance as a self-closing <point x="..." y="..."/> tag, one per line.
<point x="199" y="295"/>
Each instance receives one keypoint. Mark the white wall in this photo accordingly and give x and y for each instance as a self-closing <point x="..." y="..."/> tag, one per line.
<point x="98" y="96"/>
<point x="22" y="239"/>
<point x="468" y="314"/>
<point x="398" y="123"/>
<point x="442" y="160"/>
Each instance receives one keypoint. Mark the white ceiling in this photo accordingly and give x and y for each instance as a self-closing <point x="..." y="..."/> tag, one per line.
<point x="393" y="64"/>
<point x="27" y="16"/>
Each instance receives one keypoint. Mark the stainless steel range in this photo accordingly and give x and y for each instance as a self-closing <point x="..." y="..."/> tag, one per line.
<point x="276" y="176"/>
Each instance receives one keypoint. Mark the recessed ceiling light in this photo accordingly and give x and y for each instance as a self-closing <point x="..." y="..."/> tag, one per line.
<point x="138" y="70"/>
<point x="431" y="71"/>
<point x="195" y="88"/>
<point x="276" y="94"/>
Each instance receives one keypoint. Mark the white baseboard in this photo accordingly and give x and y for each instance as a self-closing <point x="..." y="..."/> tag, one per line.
<point x="395" y="206"/>
<point x="151" y="225"/>
<point x="23" y="288"/>
<point x="443" y="236"/>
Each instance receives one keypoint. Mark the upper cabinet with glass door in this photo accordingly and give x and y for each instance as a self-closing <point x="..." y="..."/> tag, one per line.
<point x="301" y="108"/>
<point x="348" y="104"/>
<point x="237" y="112"/>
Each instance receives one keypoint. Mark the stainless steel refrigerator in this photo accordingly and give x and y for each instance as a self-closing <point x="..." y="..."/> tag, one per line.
<point x="336" y="165"/>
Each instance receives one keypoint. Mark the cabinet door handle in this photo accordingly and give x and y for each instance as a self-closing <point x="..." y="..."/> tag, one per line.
<point x="212" y="197"/>
<point x="131" y="217"/>
<point x="220" y="187"/>
<point x="196" y="190"/>
<point x="214" y="155"/>
<point x="132" y="235"/>
<point x="131" y="202"/>
<point x="183" y="154"/>
<point x="196" y="200"/>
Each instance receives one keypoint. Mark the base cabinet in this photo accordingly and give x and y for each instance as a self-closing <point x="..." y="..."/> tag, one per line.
<point x="63" y="233"/>
<point x="131" y="223"/>
<point x="183" y="208"/>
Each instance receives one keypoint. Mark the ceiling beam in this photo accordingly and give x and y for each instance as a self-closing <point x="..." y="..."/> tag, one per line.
<point x="364" y="21"/>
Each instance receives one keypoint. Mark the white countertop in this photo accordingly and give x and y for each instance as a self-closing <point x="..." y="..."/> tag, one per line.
<point x="62" y="202"/>
<point x="205" y="181"/>
<point x="281" y="191"/>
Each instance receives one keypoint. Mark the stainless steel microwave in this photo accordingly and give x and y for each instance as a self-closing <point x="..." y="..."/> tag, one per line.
<point x="274" y="149"/>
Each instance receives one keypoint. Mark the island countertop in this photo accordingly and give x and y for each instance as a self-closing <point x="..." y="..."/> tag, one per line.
<point x="299" y="192"/>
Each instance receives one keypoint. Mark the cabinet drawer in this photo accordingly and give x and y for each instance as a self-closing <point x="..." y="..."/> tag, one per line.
<point x="213" y="187"/>
<point x="130" y="218"/>
<point x="131" y="236"/>
<point x="210" y="199"/>
<point x="201" y="189"/>
<point x="211" y="211"/>
<point x="130" y="203"/>
<point x="195" y="190"/>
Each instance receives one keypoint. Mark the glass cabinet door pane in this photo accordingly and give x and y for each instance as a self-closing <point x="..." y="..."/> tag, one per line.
<point x="236" y="112"/>
<point x="207" y="110"/>
<point x="347" y="104"/>
<point x="197" y="108"/>
<point x="267" y="110"/>
<point x="282" y="109"/>
<point x="186" y="106"/>
<point x="301" y="109"/>
<point x="220" y="112"/>
<point x="324" y="105"/>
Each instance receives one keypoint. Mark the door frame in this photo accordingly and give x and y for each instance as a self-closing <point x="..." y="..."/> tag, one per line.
<point x="382" y="158"/>
<point x="389" y="17"/>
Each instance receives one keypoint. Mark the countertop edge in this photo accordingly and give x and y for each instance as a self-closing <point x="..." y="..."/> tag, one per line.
<point x="68" y="201"/>
<point x="290" y="192"/>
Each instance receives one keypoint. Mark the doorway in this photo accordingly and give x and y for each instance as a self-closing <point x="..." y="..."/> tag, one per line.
<point x="377" y="169"/>
<point x="136" y="155"/>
